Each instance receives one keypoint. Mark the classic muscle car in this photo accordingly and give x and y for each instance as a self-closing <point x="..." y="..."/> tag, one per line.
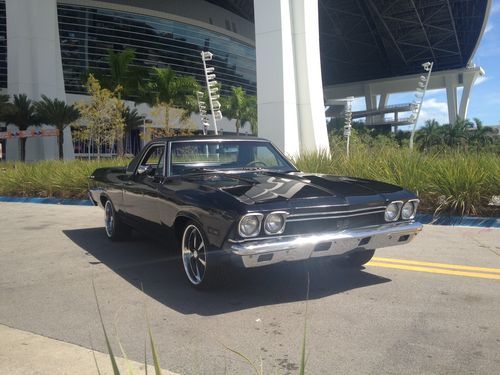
<point x="240" y="201"/>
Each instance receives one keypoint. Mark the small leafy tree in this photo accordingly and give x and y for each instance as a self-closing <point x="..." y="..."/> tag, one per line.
<point x="167" y="90"/>
<point x="21" y="113"/>
<point x="102" y="116"/>
<point x="57" y="113"/>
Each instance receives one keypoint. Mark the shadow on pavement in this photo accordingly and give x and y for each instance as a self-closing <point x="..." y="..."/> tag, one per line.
<point x="158" y="267"/>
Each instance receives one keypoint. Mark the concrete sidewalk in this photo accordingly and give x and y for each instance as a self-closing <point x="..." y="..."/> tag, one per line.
<point x="23" y="353"/>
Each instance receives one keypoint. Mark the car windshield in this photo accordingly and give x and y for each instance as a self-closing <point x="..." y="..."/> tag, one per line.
<point x="195" y="156"/>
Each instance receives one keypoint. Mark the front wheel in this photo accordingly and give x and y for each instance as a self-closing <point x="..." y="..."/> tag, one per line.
<point x="195" y="258"/>
<point x="359" y="258"/>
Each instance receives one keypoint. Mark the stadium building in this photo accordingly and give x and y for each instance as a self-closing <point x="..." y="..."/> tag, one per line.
<point x="298" y="55"/>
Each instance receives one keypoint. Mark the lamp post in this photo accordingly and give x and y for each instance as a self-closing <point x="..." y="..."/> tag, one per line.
<point x="421" y="89"/>
<point x="202" y="107"/>
<point x="348" y="122"/>
<point x="212" y="88"/>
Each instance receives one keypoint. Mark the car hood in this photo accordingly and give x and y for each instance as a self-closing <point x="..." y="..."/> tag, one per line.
<point x="271" y="187"/>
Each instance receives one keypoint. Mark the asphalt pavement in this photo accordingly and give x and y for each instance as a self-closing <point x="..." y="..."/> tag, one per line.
<point x="429" y="307"/>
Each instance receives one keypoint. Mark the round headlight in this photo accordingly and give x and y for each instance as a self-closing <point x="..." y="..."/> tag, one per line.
<point x="392" y="211"/>
<point x="408" y="211"/>
<point x="250" y="225"/>
<point x="275" y="223"/>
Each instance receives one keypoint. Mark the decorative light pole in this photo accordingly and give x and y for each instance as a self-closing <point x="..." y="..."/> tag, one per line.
<point x="422" y="84"/>
<point x="213" y="90"/>
<point x="348" y="122"/>
<point x="202" y="107"/>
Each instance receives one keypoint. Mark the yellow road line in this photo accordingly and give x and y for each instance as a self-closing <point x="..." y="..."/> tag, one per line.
<point x="434" y="270"/>
<point x="437" y="265"/>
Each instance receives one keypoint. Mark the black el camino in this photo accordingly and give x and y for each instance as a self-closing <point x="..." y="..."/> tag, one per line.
<point x="239" y="201"/>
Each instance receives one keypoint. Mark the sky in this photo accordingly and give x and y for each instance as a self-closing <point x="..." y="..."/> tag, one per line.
<point x="485" y="96"/>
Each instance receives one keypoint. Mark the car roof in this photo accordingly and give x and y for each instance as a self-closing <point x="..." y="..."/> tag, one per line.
<point x="212" y="137"/>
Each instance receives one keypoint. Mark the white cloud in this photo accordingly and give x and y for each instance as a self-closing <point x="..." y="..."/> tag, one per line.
<point x="433" y="109"/>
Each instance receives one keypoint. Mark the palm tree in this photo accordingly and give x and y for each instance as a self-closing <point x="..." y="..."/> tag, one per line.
<point x="123" y="78"/>
<point x="132" y="119"/>
<point x="170" y="90"/>
<point x="241" y="107"/>
<point x="251" y="114"/>
<point x="57" y="113"/>
<point x="429" y="135"/>
<point x="456" y="134"/>
<point x="21" y="113"/>
<point x="481" y="135"/>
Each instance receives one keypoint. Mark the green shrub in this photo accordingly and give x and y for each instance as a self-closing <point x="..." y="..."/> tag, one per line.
<point x="59" y="179"/>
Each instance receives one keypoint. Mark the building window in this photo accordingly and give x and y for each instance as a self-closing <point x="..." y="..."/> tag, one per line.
<point x="88" y="33"/>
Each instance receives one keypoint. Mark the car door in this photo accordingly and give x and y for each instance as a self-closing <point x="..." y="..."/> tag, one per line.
<point x="141" y="191"/>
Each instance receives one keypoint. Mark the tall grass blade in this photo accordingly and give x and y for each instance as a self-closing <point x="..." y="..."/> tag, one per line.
<point x="244" y="357"/>
<point x="116" y="371"/>
<point x="302" y="368"/>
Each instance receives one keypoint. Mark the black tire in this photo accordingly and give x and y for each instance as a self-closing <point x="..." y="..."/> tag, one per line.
<point x="200" y="269"/>
<point x="115" y="229"/>
<point x="359" y="258"/>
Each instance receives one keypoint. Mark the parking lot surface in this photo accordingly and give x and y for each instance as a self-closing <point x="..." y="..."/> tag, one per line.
<point x="430" y="307"/>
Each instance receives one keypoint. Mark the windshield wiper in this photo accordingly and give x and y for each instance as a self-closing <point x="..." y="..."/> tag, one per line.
<point x="199" y="169"/>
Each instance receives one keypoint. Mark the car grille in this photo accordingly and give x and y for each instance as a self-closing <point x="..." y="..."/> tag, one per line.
<point x="317" y="222"/>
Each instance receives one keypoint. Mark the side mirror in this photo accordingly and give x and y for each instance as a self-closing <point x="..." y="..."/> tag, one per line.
<point x="144" y="169"/>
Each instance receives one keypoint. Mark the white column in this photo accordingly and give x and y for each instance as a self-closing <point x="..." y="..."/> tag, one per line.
<point x="371" y="103"/>
<point x="276" y="97"/>
<point x="451" y="95"/>
<point x="468" y="81"/>
<point x="384" y="99"/>
<point x="289" y="86"/>
<point x="310" y="101"/>
<point x="35" y="66"/>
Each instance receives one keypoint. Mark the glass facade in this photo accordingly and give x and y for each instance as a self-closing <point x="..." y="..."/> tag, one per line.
<point x="87" y="33"/>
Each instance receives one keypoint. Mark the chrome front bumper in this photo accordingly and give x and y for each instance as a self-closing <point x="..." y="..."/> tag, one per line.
<point x="261" y="252"/>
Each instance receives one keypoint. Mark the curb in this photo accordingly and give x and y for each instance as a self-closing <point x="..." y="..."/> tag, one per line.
<point x="457" y="221"/>
<point x="460" y="221"/>
<point x="68" y="202"/>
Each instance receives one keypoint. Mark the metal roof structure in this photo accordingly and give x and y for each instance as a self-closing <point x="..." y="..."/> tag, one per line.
<point x="371" y="39"/>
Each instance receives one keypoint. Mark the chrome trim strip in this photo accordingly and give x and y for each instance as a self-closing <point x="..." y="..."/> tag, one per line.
<point x="339" y="212"/>
<point x="303" y="247"/>
<point x="336" y="216"/>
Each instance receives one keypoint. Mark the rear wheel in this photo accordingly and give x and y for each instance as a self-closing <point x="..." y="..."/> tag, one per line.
<point x="195" y="258"/>
<point x="116" y="230"/>
<point x="359" y="258"/>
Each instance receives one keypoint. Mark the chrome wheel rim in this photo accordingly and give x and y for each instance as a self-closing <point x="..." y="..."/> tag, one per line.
<point x="194" y="256"/>
<point x="109" y="219"/>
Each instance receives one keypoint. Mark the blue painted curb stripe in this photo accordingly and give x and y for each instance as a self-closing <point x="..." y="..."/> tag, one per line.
<point x="461" y="221"/>
<point x="70" y="202"/>
<point x="466" y="221"/>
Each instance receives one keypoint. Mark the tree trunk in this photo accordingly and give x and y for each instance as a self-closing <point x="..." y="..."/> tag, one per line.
<point x="237" y="126"/>
<point x="22" y="147"/>
<point x="60" y="143"/>
<point x="119" y="145"/>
